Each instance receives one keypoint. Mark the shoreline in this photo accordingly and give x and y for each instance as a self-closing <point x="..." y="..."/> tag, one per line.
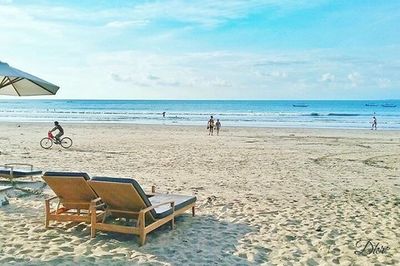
<point x="129" y="124"/>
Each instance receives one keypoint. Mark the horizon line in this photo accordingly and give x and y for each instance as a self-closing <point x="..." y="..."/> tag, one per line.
<point x="110" y="99"/>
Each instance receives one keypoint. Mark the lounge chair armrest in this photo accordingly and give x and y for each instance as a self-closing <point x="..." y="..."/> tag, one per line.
<point x="11" y="165"/>
<point x="95" y="201"/>
<point x="153" y="192"/>
<point x="52" y="198"/>
<point x="158" y="205"/>
<point x="100" y="205"/>
<point x="47" y="203"/>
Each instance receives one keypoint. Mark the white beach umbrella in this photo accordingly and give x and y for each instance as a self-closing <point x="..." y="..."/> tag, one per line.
<point x="18" y="83"/>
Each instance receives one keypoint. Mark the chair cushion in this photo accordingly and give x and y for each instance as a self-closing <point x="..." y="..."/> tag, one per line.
<point x="181" y="201"/>
<point x="68" y="174"/>
<point x="6" y="171"/>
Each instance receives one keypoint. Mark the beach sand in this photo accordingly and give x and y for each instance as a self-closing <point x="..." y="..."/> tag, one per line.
<point x="265" y="196"/>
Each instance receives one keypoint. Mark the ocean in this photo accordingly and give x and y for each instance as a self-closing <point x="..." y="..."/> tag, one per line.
<point x="263" y="113"/>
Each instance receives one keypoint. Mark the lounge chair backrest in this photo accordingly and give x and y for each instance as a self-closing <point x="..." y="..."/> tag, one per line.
<point x="71" y="187"/>
<point x="123" y="194"/>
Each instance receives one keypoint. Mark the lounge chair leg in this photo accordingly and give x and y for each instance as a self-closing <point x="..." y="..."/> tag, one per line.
<point x="193" y="211"/>
<point x="47" y="213"/>
<point x="142" y="228"/>
<point x="142" y="238"/>
<point x="92" y="231"/>
<point x="93" y="220"/>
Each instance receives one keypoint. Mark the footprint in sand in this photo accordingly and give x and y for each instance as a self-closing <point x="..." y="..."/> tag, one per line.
<point x="67" y="249"/>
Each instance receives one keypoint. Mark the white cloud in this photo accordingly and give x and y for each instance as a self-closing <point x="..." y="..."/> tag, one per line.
<point x="127" y="24"/>
<point x="134" y="74"/>
<point x="207" y="13"/>
<point x="218" y="82"/>
<point x="274" y="74"/>
<point x="327" y="77"/>
<point x="119" y="78"/>
<point x="152" y="77"/>
<point x="278" y="74"/>
<point x="384" y="83"/>
<point x="201" y="74"/>
<point x="354" y="78"/>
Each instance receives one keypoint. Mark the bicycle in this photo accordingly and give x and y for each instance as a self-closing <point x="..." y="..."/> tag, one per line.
<point x="47" y="142"/>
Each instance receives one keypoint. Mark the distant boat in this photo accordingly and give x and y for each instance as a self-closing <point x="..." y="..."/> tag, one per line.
<point x="300" y="105"/>
<point x="388" y="105"/>
<point x="371" y="104"/>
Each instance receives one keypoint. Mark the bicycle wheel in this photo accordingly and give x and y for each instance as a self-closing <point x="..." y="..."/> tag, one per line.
<point x="66" y="142"/>
<point x="46" y="143"/>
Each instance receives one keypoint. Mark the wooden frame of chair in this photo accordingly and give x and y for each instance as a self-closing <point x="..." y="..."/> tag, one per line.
<point x="81" y="212"/>
<point x="140" y="229"/>
<point x="75" y="205"/>
<point x="12" y="167"/>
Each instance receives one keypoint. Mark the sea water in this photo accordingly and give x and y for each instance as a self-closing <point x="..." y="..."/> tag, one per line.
<point x="262" y="113"/>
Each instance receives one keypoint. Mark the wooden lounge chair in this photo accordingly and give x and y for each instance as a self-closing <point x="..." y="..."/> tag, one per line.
<point x="17" y="170"/>
<point x="3" y="195"/>
<point x="124" y="198"/>
<point x="74" y="197"/>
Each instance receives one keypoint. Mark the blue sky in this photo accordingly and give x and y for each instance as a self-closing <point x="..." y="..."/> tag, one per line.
<point x="207" y="49"/>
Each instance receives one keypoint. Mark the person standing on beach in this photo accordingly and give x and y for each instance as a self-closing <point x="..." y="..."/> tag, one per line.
<point x="210" y="126"/>
<point x="374" y="123"/>
<point x="218" y="126"/>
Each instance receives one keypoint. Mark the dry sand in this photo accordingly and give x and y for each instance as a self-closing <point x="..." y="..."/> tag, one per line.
<point x="265" y="196"/>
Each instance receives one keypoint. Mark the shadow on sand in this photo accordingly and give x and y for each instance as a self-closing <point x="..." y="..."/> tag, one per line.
<point x="199" y="240"/>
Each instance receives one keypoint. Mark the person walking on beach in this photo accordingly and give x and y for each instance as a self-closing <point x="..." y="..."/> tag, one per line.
<point x="210" y="126"/>
<point x="218" y="126"/>
<point x="374" y="123"/>
<point x="58" y="127"/>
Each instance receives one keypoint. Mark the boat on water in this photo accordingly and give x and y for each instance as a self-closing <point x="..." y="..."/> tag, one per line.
<point x="388" y="105"/>
<point x="371" y="104"/>
<point x="300" y="105"/>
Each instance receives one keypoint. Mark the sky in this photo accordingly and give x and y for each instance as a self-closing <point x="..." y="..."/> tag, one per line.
<point x="207" y="49"/>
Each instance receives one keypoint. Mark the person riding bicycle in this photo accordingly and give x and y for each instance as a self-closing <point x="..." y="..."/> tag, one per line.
<point x="60" y="131"/>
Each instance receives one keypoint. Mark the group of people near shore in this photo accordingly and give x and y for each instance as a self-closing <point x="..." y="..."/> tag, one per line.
<point x="211" y="125"/>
